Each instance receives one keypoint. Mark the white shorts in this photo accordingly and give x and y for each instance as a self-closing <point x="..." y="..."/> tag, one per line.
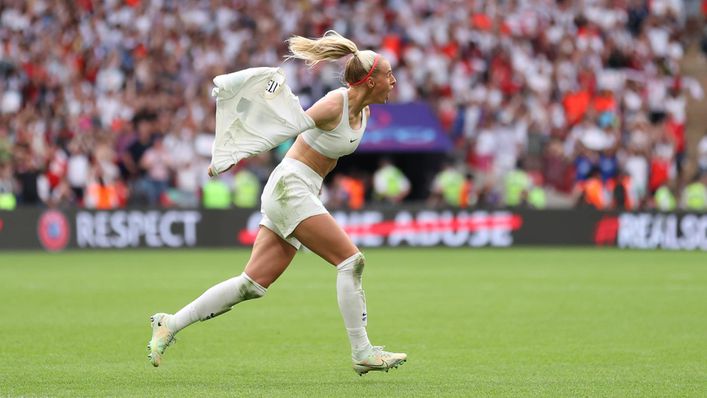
<point x="290" y="196"/>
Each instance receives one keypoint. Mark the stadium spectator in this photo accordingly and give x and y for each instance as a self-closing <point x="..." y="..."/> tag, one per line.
<point x="77" y="169"/>
<point x="450" y="187"/>
<point x="187" y="165"/>
<point x="517" y="185"/>
<point x="216" y="194"/>
<point x="246" y="189"/>
<point x="336" y="195"/>
<point x="156" y="162"/>
<point x="7" y="188"/>
<point x="635" y="165"/>
<point x="133" y="166"/>
<point x="189" y="178"/>
<point x="556" y="167"/>
<point x="664" y="199"/>
<point x="694" y="195"/>
<point x="389" y="183"/>
<point x="27" y="175"/>
<point x="347" y="191"/>
<point x="621" y="191"/>
<point x="702" y="154"/>
<point x="662" y="164"/>
<point x="101" y="194"/>
<point x="592" y="192"/>
<point x="484" y="145"/>
<point x="61" y="196"/>
<point x="537" y="197"/>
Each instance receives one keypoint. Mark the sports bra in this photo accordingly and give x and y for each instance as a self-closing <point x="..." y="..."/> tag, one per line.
<point x="340" y="141"/>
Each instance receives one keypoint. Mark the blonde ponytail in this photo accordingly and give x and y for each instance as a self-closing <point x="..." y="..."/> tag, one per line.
<point x="331" y="47"/>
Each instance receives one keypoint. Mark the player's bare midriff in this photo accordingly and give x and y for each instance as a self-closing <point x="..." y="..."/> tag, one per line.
<point x="309" y="156"/>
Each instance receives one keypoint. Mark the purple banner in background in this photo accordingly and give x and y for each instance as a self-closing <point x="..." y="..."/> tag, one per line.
<point x="410" y="127"/>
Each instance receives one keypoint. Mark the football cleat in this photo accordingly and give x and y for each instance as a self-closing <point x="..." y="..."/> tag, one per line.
<point x="379" y="360"/>
<point x="162" y="337"/>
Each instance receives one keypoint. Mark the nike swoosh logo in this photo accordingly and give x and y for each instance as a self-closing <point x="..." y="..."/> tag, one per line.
<point x="353" y="140"/>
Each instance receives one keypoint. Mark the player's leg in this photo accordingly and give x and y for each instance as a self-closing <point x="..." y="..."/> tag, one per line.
<point x="325" y="237"/>
<point x="270" y="257"/>
<point x="322" y="235"/>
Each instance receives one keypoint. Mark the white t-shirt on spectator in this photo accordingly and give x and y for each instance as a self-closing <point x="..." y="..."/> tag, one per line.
<point x="472" y="116"/>
<point x="187" y="179"/>
<point x="610" y="79"/>
<point x="109" y="107"/>
<point x="702" y="153"/>
<point x="77" y="170"/>
<point x="109" y="79"/>
<point x="639" y="139"/>
<point x="606" y="18"/>
<point x="156" y="162"/>
<point x="664" y="149"/>
<point x="590" y="42"/>
<point x="662" y="7"/>
<point x="632" y="101"/>
<point x="575" y="135"/>
<point x="507" y="146"/>
<point x="10" y="102"/>
<point x="675" y="51"/>
<point x="676" y="107"/>
<point x="180" y="147"/>
<point x="494" y="97"/>
<point x="405" y="86"/>
<point x="485" y="142"/>
<point x="656" y="92"/>
<point x="637" y="168"/>
<point x="659" y="38"/>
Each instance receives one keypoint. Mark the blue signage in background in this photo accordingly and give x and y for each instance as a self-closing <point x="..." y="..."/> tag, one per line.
<point x="411" y="127"/>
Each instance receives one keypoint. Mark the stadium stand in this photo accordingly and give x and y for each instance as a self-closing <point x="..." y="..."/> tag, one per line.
<point x="106" y="104"/>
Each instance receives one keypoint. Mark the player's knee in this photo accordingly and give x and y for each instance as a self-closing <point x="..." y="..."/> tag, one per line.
<point x="360" y="263"/>
<point x="360" y="259"/>
<point x="250" y="289"/>
<point x="355" y="262"/>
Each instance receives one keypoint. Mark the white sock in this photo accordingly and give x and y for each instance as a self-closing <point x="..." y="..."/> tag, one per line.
<point x="352" y="302"/>
<point x="215" y="301"/>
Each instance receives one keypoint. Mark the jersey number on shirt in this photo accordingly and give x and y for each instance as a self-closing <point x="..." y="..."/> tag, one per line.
<point x="272" y="86"/>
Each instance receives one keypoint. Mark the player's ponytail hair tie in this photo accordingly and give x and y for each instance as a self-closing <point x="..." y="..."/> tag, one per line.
<point x="370" y="72"/>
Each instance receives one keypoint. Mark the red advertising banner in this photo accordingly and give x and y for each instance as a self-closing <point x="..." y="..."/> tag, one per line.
<point x="55" y="230"/>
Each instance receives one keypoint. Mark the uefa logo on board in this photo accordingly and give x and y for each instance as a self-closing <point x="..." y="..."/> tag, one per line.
<point x="53" y="230"/>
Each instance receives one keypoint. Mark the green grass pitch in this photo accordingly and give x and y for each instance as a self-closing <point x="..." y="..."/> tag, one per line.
<point x="517" y="322"/>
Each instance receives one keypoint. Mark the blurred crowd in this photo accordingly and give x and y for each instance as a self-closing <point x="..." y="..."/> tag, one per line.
<point x="107" y="104"/>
